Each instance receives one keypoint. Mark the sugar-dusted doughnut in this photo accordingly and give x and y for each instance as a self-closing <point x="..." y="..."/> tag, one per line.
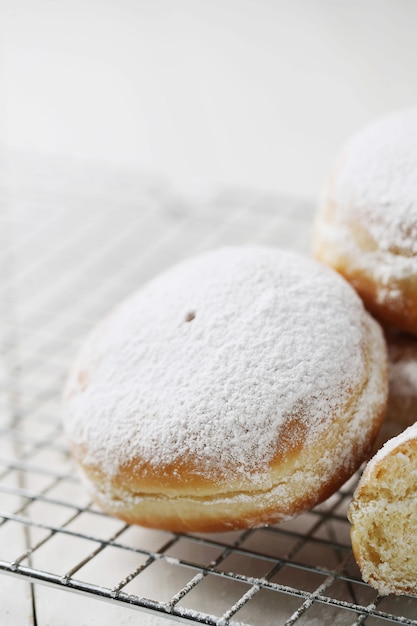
<point x="383" y="514"/>
<point x="366" y="227"/>
<point x="236" y="389"/>
<point x="402" y="387"/>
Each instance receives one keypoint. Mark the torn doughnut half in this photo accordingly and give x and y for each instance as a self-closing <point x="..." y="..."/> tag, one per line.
<point x="383" y="514"/>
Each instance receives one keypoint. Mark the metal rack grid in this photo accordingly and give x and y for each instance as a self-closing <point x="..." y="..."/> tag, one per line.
<point x="74" y="242"/>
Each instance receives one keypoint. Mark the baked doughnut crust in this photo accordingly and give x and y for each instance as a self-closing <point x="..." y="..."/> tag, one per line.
<point x="237" y="389"/>
<point x="366" y="227"/>
<point x="383" y="514"/>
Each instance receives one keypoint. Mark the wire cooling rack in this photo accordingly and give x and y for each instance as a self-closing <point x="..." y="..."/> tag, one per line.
<point x="74" y="242"/>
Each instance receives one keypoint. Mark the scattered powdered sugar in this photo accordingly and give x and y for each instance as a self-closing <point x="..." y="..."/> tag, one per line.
<point x="377" y="182"/>
<point x="209" y="360"/>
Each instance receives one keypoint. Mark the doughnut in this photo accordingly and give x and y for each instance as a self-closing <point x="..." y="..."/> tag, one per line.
<point x="402" y="385"/>
<point x="383" y="514"/>
<point x="366" y="226"/>
<point x="236" y="389"/>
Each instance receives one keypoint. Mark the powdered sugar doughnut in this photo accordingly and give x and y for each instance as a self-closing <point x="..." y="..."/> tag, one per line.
<point x="367" y="225"/>
<point x="383" y="515"/>
<point x="402" y="387"/>
<point x="238" y="388"/>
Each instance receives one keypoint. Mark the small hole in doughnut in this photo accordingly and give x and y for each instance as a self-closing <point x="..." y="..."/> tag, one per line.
<point x="190" y="316"/>
<point x="82" y="379"/>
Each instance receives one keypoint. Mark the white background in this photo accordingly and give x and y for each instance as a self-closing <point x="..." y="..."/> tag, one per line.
<point x="256" y="93"/>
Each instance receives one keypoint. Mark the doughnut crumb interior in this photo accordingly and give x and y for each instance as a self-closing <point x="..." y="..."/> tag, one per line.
<point x="238" y="388"/>
<point x="383" y="515"/>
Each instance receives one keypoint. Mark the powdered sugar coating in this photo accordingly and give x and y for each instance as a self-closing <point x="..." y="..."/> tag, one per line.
<point x="403" y="379"/>
<point x="391" y="445"/>
<point x="367" y="224"/>
<point x="210" y="359"/>
<point x="402" y="371"/>
<point x="378" y="181"/>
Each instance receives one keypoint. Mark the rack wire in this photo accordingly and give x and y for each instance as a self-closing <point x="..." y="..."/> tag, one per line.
<point x="75" y="241"/>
